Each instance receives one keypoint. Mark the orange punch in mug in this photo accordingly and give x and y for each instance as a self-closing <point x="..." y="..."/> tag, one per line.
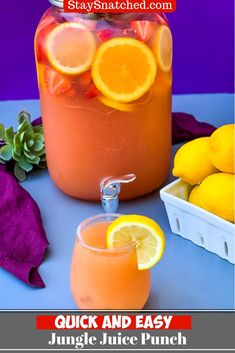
<point x="103" y="278"/>
<point x="113" y="255"/>
<point x="105" y="91"/>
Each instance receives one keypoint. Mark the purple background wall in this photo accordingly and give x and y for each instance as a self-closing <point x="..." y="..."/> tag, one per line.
<point x="203" y="46"/>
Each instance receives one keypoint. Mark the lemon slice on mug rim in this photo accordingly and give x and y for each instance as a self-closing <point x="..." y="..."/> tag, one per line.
<point x="144" y="232"/>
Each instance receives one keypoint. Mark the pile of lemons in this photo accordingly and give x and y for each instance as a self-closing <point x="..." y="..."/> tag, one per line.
<point x="208" y="164"/>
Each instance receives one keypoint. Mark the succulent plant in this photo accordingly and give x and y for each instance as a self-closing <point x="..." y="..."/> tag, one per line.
<point x="26" y="146"/>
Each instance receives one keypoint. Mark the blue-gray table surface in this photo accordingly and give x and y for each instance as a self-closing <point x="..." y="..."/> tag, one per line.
<point x="188" y="277"/>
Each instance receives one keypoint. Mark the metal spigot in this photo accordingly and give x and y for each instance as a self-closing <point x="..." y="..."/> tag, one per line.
<point x="110" y="188"/>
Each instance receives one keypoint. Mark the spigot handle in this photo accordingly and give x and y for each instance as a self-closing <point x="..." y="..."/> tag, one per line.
<point x="110" y="188"/>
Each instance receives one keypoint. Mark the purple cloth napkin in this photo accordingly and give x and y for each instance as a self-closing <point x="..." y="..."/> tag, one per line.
<point x="186" y="128"/>
<point x="23" y="240"/>
<point x="37" y="121"/>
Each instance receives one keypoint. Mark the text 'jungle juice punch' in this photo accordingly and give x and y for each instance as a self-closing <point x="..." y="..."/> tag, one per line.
<point x="105" y="90"/>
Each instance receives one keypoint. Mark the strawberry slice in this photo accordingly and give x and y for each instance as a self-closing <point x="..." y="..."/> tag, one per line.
<point x="85" y="79"/>
<point x="40" y="50"/>
<point x="91" y="91"/>
<point x="162" y="19"/>
<point x="43" y="30"/>
<point x="46" y="22"/>
<point x="105" y="34"/>
<point x="56" y="83"/>
<point x="143" y="29"/>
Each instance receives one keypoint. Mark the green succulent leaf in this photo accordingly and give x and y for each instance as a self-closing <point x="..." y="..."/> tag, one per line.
<point x="35" y="160"/>
<point x="9" y="135"/>
<point x="39" y="137"/>
<point x="19" y="173"/>
<point x="30" y="143"/>
<point x="16" y="156"/>
<point x="31" y="158"/>
<point x="38" y="146"/>
<point x="26" y="166"/>
<point x="25" y="127"/>
<point x="40" y="153"/>
<point x="26" y="148"/>
<point x="22" y="135"/>
<point x="6" y="152"/>
<point x="17" y="149"/>
<point x="22" y="126"/>
<point x="38" y="129"/>
<point x="24" y="117"/>
<point x="16" y="140"/>
<point x="2" y="132"/>
<point x="30" y="136"/>
<point x="29" y="155"/>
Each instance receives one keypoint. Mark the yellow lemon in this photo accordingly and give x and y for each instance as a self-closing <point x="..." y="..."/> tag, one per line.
<point x="192" y="163"/>
<point x="221" y="148"/>
<point x="217" y="195"/>
<point x="71" y="48"/>
<point x="194" y="196"/>
<point x="144" y="232"/>
<point x="162" y="47"/>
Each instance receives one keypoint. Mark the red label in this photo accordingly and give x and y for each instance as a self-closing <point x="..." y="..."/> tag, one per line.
<point x="113" y="322"/>
<point x="96" y="6"/>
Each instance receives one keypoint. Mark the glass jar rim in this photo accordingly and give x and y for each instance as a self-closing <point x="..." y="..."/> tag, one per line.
<point x="97" y="219"/>
<point x="58" y="3"/>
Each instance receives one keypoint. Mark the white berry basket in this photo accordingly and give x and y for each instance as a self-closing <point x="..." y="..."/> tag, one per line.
<point x="192" y="222"/>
